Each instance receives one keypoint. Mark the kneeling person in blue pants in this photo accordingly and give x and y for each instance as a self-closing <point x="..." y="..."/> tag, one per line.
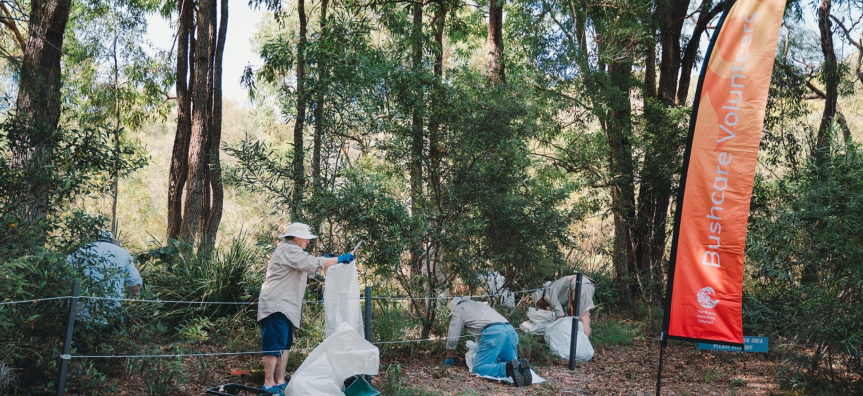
<point x="497" y="342"/>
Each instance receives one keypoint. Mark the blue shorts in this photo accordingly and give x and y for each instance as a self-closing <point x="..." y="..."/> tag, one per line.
<point x="277" y="334"/>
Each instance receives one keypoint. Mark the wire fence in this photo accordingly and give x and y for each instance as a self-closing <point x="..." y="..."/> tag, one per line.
<point x="176" y="355"/>
<point x="232" y="353"/>
<point x="137" y="300"/>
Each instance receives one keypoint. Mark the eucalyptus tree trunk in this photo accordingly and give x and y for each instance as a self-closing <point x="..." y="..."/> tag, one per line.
<point x="437" y="102"/>
<point x="831" y="77"/>
<point x="195" y="191"/>
<point x="217" y="196"/>
<point x="299" y="125"/>
<point x="707" y="13"/>
<point x="201" y="112"/>
<point x="180" y="152"/>
<point x="662" y="148"/>
<point x="417" y="117"/>
<point x="115" y="182"/>
<point x="828" y="115"/>
<point x="38" y="103"/>
<point x="323" y="75"/>
<point x="494" y="45"/>
<point x="618" y="130"/>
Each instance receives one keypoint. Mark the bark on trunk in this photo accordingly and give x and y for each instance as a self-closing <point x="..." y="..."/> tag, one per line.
<point x="323" y="75"/>
<point x="831" y="97"/>
<point x="689" y="54"/>
<point x="299" y="125"/>
<point x="831" y="76"/>
<point x="649" y="230"/>
<point x="215" y="168"/>
<point x="180" y="153"/>
<point x="115" y="183"/>
<point x="437" y="103"/>
<point x="494" y="46"/>
<point x="38" y="103"/>
<point x="618" y="129"/>
<point x="201" y="107"/>
<point x="417" y="138"/>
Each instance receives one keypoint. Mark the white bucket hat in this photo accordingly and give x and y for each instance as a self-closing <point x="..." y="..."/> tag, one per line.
<point x="298" y="230"/>
<point x="453" y="303"/>
<point x="540" y="293"/>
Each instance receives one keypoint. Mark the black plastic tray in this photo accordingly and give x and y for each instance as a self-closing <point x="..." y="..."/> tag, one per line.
<point x="236" y="389"/>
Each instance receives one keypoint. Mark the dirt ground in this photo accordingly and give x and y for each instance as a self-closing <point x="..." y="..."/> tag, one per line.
<point x="621" y="370"/>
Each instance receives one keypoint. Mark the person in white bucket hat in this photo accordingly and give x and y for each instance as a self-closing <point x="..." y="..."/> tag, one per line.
<point x="281" y="302"/>
<point x="559" y="296"/>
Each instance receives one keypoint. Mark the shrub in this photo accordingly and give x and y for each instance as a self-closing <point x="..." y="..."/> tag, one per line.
<point x="804" y="245"/>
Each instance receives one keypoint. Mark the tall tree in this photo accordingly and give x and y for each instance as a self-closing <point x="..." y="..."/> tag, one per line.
<point x="199" y="109"/>
<point x="300" y="121"/>
<point x="320" y="91"/>
<point x="214" y="218"/>
<point x="38" y="104"/>
<point x="494" y="45"/>
<point x="180" y="153"/>
<point x="417" y="140"/>
<point x="831" y="76"/>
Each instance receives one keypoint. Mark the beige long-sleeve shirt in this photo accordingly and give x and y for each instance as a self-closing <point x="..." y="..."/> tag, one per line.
<point x="472" y="316"/>
<point x="285" y="285"/>
<point x="558" y="294"/>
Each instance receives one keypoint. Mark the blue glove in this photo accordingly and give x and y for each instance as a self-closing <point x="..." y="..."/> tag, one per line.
<point x="328" y="255"/>
<point x="346" y="258"/>
<point x="449" y="362"/>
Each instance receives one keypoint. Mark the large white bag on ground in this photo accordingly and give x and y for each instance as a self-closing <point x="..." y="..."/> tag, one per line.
<point x="537" y="320"/>
<point x="342" y="298"/>
<point x="470" y="356"/>
<point x="557" y="336"/>
<point x="341" y="355"/>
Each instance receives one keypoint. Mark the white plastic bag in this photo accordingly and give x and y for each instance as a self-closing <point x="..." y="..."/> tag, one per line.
<point x="537" y="320"/>
<point x="557" y="336"/>
<point x="494" y="289"/>
<point x="341" y="355"/>
<point x="527" y="326"/>
<point x="470" y="356"/>
<point x="342" y="298"/>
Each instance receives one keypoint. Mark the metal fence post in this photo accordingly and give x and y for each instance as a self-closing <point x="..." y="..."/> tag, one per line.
<point x="368" y="319"/>
<point x="573" y="340"/>
<point x="67" y="344"/>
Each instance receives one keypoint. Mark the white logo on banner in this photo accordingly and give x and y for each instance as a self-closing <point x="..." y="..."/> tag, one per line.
<point x="704" y="298"/>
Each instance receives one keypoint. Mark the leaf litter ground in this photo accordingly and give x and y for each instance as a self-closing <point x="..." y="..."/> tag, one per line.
<point x="619" y="370"/>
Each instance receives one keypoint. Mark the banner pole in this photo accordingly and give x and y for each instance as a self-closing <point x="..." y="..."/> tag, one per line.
<point x="67" y="344"/>
<point x="662" y="343"/>
<point x="573" y="336"/>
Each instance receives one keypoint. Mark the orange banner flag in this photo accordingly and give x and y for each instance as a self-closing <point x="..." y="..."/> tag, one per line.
<point x="705" y="280"/>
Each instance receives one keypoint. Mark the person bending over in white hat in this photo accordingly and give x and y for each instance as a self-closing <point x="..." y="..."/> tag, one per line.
<point x="559" y="296"/>
<point x="280" y="305"/>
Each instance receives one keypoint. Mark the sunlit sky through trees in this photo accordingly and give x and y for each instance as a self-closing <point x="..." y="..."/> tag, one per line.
<point x="242" y="25"/>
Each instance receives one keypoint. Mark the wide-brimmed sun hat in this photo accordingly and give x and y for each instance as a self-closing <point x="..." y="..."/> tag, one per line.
<point x="540" y="293"/>
<point x="298" y="230"/>
<point x="453" y="303"/>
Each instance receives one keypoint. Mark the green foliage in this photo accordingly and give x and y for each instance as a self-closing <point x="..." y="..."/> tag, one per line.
<point x="534" y="348"/>
<point x="608" y="333"/>
<point x="34" y="248"/>
<point x="804" y="245"/>
<point x="178" y="273"/>
<point x="161" y="376"/>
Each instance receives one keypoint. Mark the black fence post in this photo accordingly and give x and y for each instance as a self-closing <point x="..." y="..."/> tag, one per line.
<point x="368" y="319"/>
<point x="573" y="340"/>
<point x="67" y="344"/>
